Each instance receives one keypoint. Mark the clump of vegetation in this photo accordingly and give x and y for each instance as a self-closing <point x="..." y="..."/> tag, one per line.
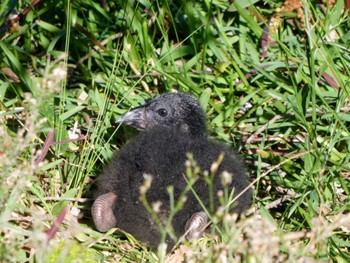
<point x="273" y="78"/>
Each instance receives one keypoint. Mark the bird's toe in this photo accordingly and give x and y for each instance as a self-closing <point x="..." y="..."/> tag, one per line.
<point x="102" y="212"/>
<point x="195" y="225"/>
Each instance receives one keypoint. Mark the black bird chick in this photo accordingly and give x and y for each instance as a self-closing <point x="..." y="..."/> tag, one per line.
<point x="172" y="125"/>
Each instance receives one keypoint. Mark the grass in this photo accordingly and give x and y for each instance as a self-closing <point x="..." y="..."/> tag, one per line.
<point x="273" y="80"/>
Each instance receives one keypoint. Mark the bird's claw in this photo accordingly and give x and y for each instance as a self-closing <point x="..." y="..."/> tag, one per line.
<point x="102" y="212"/>
<point x="195" y="225"/>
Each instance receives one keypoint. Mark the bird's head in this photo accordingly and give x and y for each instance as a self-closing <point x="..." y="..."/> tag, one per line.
<point x="178" y="111"/>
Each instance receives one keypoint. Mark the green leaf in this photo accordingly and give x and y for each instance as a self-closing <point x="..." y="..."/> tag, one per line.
<point x="241" y="4"/>
<point x="49" y="27"/>
<point x="58" y="207"/>
<point x="16" y="66"/>
<point x="66" y="115"/>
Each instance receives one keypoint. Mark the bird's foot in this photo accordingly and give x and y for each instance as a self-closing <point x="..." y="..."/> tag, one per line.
<point x="102" y="212"/>
<point x="195" y="225"/>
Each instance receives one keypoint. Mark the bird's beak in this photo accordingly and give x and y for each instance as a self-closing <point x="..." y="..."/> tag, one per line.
<point x="136" y="118"/>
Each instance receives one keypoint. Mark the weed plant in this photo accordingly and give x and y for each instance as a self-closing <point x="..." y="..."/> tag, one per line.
<point x="272" y="76"/>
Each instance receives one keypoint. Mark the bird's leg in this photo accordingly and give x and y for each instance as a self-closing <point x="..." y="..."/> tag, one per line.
<point x="102" y="212"/>
<point x="195" y="225"/>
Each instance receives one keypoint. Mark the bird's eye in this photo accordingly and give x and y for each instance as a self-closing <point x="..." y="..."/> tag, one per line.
<point x="162" y="112"/>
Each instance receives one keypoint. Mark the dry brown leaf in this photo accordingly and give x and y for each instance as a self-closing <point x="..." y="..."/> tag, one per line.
<point x="10" y="74"/>
<point x="179" y="255"/>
